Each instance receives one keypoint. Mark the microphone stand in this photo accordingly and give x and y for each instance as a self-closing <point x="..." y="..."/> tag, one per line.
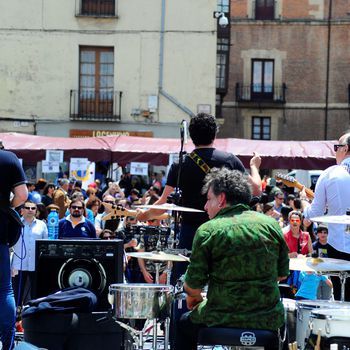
<point x="177" y="195"/>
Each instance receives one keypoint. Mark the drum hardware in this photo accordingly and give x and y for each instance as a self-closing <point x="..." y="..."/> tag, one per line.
<point x="142" y="301"/>
<point x="343" y="275"/>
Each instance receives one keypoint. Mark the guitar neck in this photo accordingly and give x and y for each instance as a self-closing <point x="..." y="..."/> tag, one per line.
<point x="309" y="192"/>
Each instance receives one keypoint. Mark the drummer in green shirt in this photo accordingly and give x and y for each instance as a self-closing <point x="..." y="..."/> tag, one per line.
<point x="241" y="255"/>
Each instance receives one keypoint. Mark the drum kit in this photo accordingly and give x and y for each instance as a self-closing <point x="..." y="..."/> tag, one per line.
<point x="143" y="301"/>
<point x="153" y="302"/>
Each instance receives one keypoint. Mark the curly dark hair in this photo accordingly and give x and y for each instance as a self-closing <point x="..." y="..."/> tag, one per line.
<point x="202" y="129"/>
<point x="233" y="183"/>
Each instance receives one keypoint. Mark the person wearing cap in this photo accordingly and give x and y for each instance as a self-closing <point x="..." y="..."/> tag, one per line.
<point x="332" y="196"/>
<point x="60" y="197"/>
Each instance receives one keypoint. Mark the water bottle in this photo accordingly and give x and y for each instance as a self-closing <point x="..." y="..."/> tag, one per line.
<point x="52" y="224"/>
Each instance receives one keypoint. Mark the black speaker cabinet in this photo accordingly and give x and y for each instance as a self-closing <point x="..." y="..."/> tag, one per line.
<point x="92" y="264"/>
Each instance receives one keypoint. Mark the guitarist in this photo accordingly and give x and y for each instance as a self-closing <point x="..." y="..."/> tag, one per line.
<point x="332" y="193"/>
<point x="12" y="178"/>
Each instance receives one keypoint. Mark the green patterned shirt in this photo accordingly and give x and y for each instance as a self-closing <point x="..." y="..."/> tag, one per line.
<point x="239" y="254"/>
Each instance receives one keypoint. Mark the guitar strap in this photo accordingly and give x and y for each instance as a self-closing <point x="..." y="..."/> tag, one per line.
<point x="200" y="162"/>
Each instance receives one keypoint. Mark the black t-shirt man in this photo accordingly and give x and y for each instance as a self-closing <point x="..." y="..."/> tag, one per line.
<point x="191" y="180"/>
<point x="11" y="176"/>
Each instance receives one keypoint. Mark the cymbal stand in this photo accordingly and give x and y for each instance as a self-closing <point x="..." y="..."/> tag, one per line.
<point x="343" y="275"/>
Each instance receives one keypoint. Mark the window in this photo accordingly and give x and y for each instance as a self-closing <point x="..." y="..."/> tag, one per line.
<point x="261" y="128"/>
<point x="222" y="52"/>
<point x="223" y="6"/>
<point x="96" y="84"/>
<point x="98" y="7"/>
<point x="262" y="79"/>
<point x="265" y="9"/>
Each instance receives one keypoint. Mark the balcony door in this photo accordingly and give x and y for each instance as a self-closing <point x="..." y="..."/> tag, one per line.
<point x="262" y="79"/>
<point x="265" y="9"/>
<point x="96" y="85"/>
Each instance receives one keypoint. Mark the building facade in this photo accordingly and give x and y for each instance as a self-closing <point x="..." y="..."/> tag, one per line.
<point x="74" y="67"/>
<point x="289" y="70"/>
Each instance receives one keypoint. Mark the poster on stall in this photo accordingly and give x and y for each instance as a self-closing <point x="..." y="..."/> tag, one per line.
<point x="82" y="170"/>
<point x="137" y="168"/>
<point x="54" y="155"/>
<point x="50" y="167"/>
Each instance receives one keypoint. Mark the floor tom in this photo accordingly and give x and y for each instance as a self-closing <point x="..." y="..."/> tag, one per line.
<point x="304" y="309"/>
<point x="331" y="322"/>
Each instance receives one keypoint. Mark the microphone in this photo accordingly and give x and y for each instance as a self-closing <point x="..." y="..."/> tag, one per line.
<point x="183" y="131"/>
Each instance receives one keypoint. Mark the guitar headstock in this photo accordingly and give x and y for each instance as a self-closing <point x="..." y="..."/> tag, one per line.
<point x="116" y="211"/>
<point x="287" y="180"/>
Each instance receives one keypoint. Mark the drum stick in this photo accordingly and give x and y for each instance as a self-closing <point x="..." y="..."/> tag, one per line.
<point x="295" y="346"/>
<point x="290" y="346"/>
<point x="185" y="257"/>
<point x="318" y="341"/>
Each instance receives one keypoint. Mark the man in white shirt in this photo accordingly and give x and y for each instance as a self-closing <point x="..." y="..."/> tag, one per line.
<point x="332" y="194"/>
<point x="23" y="263"/>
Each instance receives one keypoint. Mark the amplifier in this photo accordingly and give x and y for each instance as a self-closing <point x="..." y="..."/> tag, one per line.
<point x="93" y="264"/>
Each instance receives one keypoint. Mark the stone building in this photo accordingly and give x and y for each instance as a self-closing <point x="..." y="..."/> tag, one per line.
<point x="289" y="70"/>
<point x="91" y="67"/>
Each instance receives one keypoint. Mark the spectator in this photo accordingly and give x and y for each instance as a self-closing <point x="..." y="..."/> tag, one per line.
<point x="94" y="205"/>
<point x="75" y="225"/>
<point x="115" y="191"/>
<point x="106" y="224"/>
<point x="309" y="282"/>
<point x="41" y="212"/>
<point x="47" y="197"/>
<point x="298" y="241"/>
<point x="60" y="197"/>
<point x="23" y="263"/>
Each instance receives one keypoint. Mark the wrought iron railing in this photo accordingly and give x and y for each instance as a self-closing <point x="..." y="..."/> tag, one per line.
<point x="256" y="93"/>
<point x="103" y="105"/>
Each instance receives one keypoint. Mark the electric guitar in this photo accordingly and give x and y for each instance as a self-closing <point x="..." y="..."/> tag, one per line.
<point x="290" y="181"/>
<point x="118" y="211"/>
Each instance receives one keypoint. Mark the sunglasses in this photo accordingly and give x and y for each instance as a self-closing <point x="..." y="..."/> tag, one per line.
<point x="30" y="208"/>
<point x="336" y="147"/>
<point x="325" y="232"/>
<point x="294" y="220"/>
<point x="109" y="202"/>
<point x="75" y="207"/>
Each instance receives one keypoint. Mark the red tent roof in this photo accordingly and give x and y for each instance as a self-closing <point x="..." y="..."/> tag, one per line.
<point x="124" y="149"/>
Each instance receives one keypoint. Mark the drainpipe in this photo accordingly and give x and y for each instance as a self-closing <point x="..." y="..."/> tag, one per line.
<point x="329" y="26"/>
<point x="161" y="66"/>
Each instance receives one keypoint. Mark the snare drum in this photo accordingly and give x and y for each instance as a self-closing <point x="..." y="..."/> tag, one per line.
<point x="304" y="309"/>
<point x="331" y="322"/>
<point x="140" y="300"/>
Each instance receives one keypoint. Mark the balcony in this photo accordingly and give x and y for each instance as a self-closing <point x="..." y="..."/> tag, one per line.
<point x="91" y="105"/>
<point x="96" y="8"/>
<point x="258" y="94"/>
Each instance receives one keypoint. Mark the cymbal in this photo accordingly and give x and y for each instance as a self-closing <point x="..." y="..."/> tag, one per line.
<point x="319" y="264"/>
<point x="158" y="256"/>
<point x="170" y="206"/>
<point x="333" y="219"/>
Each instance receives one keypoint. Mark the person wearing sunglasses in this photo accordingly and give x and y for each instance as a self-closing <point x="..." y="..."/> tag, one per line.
<point x="23" y="262"/>
<point x="298" y="241"/>
<point x="332" y="196"/>
<point x="75" y="224"/>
